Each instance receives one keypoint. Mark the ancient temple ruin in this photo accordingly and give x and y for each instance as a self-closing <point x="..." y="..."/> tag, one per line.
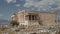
<point x="28" y="17"/>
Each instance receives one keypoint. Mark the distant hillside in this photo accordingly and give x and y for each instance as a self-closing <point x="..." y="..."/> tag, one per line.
<point x="3" y="21"/>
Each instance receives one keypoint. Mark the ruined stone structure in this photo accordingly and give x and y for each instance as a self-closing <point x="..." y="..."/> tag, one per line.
<point x="36" y="22"/>
<point x="27" y="17"/>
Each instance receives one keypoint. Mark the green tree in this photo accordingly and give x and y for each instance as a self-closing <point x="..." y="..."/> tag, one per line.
<point x="14" y="23"/>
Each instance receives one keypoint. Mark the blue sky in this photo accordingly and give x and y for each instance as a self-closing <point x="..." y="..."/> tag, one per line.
<point x="8" y="7"/>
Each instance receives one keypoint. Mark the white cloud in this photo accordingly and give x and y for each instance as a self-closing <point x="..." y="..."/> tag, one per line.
<point x="43" y="4"/>
<point x="1" y="15"/>
<point x="9" y="1"/>
<point x="18" y="5"/>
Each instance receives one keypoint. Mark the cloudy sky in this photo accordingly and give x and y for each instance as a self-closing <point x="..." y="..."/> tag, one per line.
<point x="8" y="7"/>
